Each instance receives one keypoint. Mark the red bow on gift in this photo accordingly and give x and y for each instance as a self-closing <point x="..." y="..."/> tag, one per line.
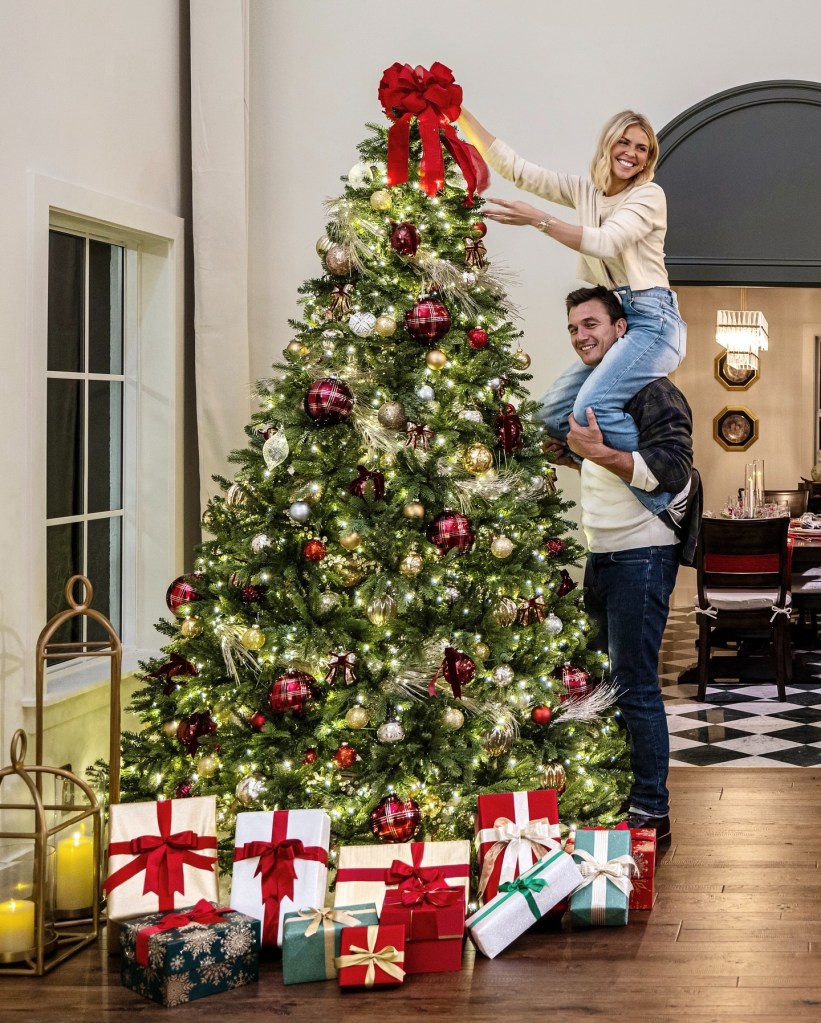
<point x="411" y="875"/>
<point x="365" y="476"/>
<point x="435" y="893"/>
<point x="175" y="666"/>
<point x="434" y="99"/>
<point x="202" y="913"/>
<point x="458" y="670"/>
<point x="341" y="665"/>
<point x="162" y="857"/>
<point x="278" y="871"/>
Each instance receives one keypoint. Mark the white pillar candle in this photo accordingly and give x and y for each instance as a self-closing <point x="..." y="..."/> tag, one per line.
<point x="16" y="925"/>
<point x="75" y="872"/>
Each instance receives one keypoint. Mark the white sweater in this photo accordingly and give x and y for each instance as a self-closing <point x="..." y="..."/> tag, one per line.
<point x="622" y="235"/>
<point x="613" y="519"/>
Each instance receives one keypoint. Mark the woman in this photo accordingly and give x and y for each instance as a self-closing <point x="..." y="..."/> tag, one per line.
<point x="622" y="221"/>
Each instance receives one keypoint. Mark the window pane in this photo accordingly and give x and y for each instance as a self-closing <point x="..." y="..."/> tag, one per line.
<point x="105" y="308"/>
<point x="104" y="571"/>
<point x="105" y="445"/>
<point x="64" y="486"/>
<point x="66" y="255"/>
<point x="64" y="553"/>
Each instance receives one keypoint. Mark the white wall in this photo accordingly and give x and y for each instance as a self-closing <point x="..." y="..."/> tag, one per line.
<point x="543" y="76"/>
<point x="91" y="96"/>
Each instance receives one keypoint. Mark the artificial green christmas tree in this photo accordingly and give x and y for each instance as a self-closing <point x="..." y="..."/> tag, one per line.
<point x="382" y="624"/>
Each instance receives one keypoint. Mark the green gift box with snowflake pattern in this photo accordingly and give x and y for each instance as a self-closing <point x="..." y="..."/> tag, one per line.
<point x="178" y="957"/>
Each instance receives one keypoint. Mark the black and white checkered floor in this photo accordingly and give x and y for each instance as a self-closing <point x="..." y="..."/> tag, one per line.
<point x="741" y="723"/>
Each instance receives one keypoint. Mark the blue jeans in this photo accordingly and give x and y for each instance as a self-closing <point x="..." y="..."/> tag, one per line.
<point x="628" y="594"/>
<point x="653" y="346"/>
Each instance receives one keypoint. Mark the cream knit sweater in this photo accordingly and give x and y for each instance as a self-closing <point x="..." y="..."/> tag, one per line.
<point x="622" y="235"/>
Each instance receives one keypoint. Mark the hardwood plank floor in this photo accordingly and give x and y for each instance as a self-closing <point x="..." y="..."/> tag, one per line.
<point x="735" y="936"/>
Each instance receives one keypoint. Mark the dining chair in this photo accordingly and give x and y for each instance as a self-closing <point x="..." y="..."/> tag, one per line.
<point x="742" y="576"/>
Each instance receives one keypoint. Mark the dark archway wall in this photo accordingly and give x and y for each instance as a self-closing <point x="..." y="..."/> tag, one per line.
<point x="742" y="173"/>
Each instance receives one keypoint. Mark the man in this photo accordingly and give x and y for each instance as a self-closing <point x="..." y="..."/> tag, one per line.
<point x="634" y="555"/>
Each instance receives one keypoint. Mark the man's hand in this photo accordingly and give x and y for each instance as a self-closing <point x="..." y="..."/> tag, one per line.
<point x="557" y="451"/>
<point x="586" y="441"/>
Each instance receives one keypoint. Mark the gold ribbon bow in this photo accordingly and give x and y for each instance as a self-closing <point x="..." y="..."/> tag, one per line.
<point x="514" y="840"/>
<point x="321" y="917"/>
<point x="387" y="959"/>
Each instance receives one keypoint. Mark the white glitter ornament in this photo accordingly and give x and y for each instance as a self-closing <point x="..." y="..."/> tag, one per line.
<point x="425" y="393"/>
<point x="362" y="324"/>
<point x="249" y="790"/>
<point x="259" y="543"/>
<point x="275" y="449"/>
<point x="390" y="731"/>
<point x="471" y="414"/>
<point x="553" y="625"/>
<point x="502" y="675"/>
<point x="359" y="175"/>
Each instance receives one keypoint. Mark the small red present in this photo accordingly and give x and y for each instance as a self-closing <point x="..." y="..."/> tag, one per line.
<point x="371" y="957"/>
<point x="434" y="920"/>
<point x="643" y="841"/>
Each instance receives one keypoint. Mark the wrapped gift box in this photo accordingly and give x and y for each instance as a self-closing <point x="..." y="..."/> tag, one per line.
<point x="522" y="901"/>
<point x="311" y="940"/>
<point x="606" y="866"/>
<point x="161" y="856"/>
<point x="434" y="920"/>
<point x="643" y="842"/>
<point x="371" y="957"/>
<point x="177" y="957"/>
<point x="513" y="830"/>
<point x="280" y="865"/>
<point x="366" y="872"/>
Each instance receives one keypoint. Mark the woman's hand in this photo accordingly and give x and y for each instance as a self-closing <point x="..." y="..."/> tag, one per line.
<point x="513" y="211"/>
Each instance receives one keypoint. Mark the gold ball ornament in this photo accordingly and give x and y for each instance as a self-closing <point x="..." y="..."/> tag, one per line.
<point x="235" y="495"/>
<point x="338" y="260"/>
<point x="381" y="200"/>
<point x="521" y="358"/>
<point x="169" y="729"/>
<point x="497" y="741"/>
<point x="477" y="458"/>
<point x="253" y="638"/>
<point x="381" y="609"/>
<point x="482" y="651"/>
<point x="352" y="570"/>
<point x="412" y="563"/>
<point x="436" y="359"/>
<point x="357" y="717"/>
<point x="190" y="627"/>
<point x="505" y="611"/>
<point x="322" y="245"/>
<point x="392" y="415"/>
<point x="501" y="547"/>
<point x="350" y="541"/>
<point x="452" y="718"/>
<point x="296" y="348"/>
<point x="385" y="325"/>
<point x="555" y="776"/>
<point x="414" y="510"/>
<point x="207" y="766"/>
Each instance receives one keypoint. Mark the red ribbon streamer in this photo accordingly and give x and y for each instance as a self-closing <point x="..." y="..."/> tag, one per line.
<point x="175" y="666"/>
<point x="278" y="869"/>
<point x="162" y="857"/>
<point x="434" y="99"/>
<point x="458" y="670"/>
<point x="202" y="913"/>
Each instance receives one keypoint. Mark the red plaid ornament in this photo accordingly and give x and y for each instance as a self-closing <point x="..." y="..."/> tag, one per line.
<point x="509" y="429"/>
<point x="576" y="681"/>
<point x="329" y="401"/>
<point x="405" y="239"/>
<point x="291" y="691"/>
<point x="451" y="530"/>
<point x="191" y="729"/>
<point x="396" y="820"/>
<point x="428" y="320"/>
<point x="179" y="593"/>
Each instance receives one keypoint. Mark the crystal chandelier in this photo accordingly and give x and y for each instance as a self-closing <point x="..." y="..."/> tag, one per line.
<point x="743" y="333"/>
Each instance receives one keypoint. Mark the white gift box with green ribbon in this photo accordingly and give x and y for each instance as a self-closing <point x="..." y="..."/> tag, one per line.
<point x="521" y="902"/>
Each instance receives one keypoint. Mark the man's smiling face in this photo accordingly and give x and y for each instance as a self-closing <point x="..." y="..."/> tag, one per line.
<point x="591" y="332"/>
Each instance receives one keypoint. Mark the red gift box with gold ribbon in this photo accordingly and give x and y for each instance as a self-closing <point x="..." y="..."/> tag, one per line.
<point x="371" y="957"/>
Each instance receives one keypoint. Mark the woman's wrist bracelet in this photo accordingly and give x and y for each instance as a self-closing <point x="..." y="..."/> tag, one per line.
<point x="545" y="225"/>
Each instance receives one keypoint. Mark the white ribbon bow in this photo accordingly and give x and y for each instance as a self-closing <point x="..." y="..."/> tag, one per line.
<point x="522" y="845"/>
<point x="618" y="870"/>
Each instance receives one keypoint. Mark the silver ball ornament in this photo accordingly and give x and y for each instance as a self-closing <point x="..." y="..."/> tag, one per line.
<point x="259" y="543"/>
<point x="502" y="675"/>
<point x="359" y="175"/>
<point x="553" y="625"/>
<point x="425" y="393"/>
<point x="249" y="790"/>
<point x="300" y="511"/>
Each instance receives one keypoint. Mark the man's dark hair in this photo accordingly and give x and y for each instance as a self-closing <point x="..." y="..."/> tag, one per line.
<point x="607" y="298"/>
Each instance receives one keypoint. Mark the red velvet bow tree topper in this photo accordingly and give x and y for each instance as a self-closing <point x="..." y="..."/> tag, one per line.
<point x="435" y="100"/>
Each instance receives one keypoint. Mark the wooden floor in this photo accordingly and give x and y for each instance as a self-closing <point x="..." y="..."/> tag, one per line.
<point x="735" y="936"/>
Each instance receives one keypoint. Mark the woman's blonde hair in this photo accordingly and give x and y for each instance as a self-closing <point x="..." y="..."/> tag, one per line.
<point x="612" y="131"/>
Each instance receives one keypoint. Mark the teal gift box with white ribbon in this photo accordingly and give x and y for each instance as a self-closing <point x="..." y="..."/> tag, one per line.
<point x="521" y="902"/>
<point x="311" y="940"/>
<point x="606" y="866"/>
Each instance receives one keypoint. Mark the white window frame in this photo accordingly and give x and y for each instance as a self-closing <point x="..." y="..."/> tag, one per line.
<point x="152" y="426"/>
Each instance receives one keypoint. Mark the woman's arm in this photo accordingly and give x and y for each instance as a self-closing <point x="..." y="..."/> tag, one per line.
<point x="522" y="214"/>
<point x="474" y="131"/>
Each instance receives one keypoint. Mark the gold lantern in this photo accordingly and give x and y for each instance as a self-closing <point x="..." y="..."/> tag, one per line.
<point x="50" y="887"/>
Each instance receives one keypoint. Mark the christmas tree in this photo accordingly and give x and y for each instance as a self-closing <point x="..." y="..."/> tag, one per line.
<point x="382" y="623"/>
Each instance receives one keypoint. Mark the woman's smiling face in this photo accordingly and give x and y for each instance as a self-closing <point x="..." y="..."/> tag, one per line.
<point x="628" y="157"/>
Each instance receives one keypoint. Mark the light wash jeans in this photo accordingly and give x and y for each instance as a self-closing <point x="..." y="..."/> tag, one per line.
<point x="628" y="594"/>
<point x="653" y="346"/>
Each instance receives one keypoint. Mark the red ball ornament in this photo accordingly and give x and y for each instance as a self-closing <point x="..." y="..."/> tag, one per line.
<point x="554" y="546"/>
<point x="479" y="229"/>
<point x="509" y="429"/>
<point x="428" y="320"/>
<point x="253" y="594"/>
<point x="329" y="401"/>
<point x="191" y="729"/>
<point x="566" y="584"/>
<point x="405" y="239"/>
<point x="396" y="820"/>
<point x="180" y="593"/>
<point x="292" y="691"/>
<point x="257" y="721"/>
<point x="477" y="338"/>
<point x="451" y="530"/>
<point x="310" y="756"/>
<point x="314" y="550"/>
<point x="541" y="715"/>
<point x="344" y="757"/>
